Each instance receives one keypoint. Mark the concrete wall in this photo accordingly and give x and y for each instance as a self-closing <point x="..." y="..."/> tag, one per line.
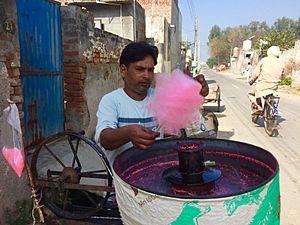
<point x="12" y="188"/>
<point x="169" y="33"/>
<point x="157" y="28"/>
<point x="91" y="59"/>
<point x="292" y="64"/>
<point x="125" y="20"/>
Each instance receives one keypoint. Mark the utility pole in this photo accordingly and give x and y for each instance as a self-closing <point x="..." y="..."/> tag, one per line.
<point x="196" y="45"/>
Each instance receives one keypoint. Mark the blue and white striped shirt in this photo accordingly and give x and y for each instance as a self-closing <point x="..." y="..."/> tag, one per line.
<point x="116" y="109"/>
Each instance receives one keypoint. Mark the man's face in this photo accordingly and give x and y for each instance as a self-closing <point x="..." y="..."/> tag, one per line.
<point x="138" y="77"/>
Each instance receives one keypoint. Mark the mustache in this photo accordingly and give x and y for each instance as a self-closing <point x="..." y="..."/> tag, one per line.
<point x="145" y="80"/>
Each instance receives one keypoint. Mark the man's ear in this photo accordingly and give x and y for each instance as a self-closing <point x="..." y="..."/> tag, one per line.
<point x="123" y="71"/>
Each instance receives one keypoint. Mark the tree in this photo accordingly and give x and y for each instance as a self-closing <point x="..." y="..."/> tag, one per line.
<point x="284" y="32"/>
<point x="284" y="39"/>
<point x="215" y="32"/>
<point x="219" y="48"/>
<point x="283" y="24"/>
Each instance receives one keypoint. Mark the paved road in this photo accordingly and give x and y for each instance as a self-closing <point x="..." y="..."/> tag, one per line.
<point x="235" y="124"/>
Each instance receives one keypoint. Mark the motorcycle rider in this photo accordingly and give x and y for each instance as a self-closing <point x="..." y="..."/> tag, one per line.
<point x="267" y="74"/>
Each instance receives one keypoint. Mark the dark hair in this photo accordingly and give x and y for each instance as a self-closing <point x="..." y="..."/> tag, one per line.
<point x="137" y="51"/>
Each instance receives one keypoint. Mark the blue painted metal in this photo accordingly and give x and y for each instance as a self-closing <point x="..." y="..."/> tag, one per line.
<point x="41" y="70"/>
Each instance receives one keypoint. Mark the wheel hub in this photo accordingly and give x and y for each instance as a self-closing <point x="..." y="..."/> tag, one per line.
<point x="70" y="175"/>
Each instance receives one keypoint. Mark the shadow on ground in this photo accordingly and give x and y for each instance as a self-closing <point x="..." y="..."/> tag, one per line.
<point x="214" y="108"/>
<point x="225" y="134"/>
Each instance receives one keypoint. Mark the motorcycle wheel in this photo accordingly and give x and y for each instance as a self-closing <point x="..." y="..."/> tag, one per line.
<point x="270" y="122"/>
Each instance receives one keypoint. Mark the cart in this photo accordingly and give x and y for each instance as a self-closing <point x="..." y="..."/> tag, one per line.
<point x="214" y="94"/>
<point x="74" y="179"/>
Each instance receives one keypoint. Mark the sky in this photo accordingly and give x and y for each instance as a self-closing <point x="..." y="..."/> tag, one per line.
<point x="231" y="13"/>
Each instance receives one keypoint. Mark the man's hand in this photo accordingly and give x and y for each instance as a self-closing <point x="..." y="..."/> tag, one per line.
<point x="142" y="137"/>
<point x="204" y="90"/>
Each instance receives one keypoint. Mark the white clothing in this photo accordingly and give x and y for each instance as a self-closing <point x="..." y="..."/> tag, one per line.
<point x="116" y="109"/>
<point x="249" y="70"/>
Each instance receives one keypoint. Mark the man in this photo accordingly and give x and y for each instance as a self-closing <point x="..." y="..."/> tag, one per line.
<point x="268" y="73"/>
<point x="248" y="72"/>
<point x="123" y="119"/>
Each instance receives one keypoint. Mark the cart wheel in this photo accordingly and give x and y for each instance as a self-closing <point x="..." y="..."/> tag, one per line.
<point x="73" y="175"/>
<point x="219" y="99"/>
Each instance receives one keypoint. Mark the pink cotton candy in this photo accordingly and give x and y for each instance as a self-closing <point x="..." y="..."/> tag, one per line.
<point x="15" y="159"/>
<point x="177" y="101"/>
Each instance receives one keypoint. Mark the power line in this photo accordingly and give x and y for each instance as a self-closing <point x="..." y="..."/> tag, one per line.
<point x="192" y="13"/>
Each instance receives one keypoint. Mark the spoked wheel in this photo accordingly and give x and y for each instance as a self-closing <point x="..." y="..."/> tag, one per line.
<point x="270" y="121"/>
<point x="73" y="175"/>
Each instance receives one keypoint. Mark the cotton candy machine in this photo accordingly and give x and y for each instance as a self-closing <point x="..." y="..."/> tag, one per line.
<point x="197" y="181"/>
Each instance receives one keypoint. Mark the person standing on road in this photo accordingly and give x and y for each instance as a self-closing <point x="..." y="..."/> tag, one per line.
<point x="248" y="71"/>
<point x="122" y="117"/>
<point x="267" y="74"/>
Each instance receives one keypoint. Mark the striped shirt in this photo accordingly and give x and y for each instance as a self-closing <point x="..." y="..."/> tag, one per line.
<point x="116" y="109"/>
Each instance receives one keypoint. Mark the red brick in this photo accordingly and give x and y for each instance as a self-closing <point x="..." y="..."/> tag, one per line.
<point x="73" y="81"/>
<point x="15" y="82"/>
<point x="18" y="90"/>
<point x="66" y="53"/>
<point x="74" y="68"/>
<point x="74" y="99"/>
<point x="74" y="87"/>
<point x="11" y="91"/>
<point x="96" y="60"/>
<point x="17" y="98"/>
<point x="15" y="72"/>
<point x="74" y="93"/>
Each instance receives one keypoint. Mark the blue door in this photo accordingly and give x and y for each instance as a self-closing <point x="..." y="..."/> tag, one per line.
<point x="41" y="70"/>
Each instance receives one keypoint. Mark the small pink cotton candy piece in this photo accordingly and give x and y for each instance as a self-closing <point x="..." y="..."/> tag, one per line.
<point x="15" y="159"/>
<point x="177" y="101"/>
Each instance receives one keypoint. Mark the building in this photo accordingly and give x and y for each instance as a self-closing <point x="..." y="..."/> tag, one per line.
<point x="125" y="18"/>
<point x="163" y="27"/>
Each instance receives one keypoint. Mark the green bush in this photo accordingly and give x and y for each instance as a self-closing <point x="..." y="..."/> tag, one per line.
<point x="211" y="62"/>
<point x="286" y="81"/>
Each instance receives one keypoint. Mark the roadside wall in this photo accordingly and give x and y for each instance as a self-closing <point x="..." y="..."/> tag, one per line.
<point x="292" y="64"/>
<point x="91" y="59"/>
<point x="12" y="188"/>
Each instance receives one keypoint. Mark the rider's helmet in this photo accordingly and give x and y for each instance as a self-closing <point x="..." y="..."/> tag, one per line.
<point x="273" y="51"/>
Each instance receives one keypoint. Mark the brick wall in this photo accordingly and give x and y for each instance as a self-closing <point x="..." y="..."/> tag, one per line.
<point x="91" y="67"/>
<point x="12" y="188"/>
<point x="157" y="8"/>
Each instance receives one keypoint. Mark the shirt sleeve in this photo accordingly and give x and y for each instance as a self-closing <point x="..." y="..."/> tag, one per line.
<point x="107" y="115"/>
<point x="257" y="70"/>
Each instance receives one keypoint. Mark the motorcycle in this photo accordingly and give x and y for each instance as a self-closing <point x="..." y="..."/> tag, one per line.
<point x="269" y="112"/>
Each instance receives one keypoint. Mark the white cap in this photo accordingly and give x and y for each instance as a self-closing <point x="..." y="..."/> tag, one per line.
<point x="274" y="51"/>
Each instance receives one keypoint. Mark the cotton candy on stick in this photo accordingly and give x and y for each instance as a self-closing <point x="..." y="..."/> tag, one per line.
<point x="176" y="101"/>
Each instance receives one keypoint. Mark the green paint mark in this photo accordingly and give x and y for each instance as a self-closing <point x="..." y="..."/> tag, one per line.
<point x="249" y="198"/>
<point x="190" y="213"/>
<point x="269" y="210"/>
